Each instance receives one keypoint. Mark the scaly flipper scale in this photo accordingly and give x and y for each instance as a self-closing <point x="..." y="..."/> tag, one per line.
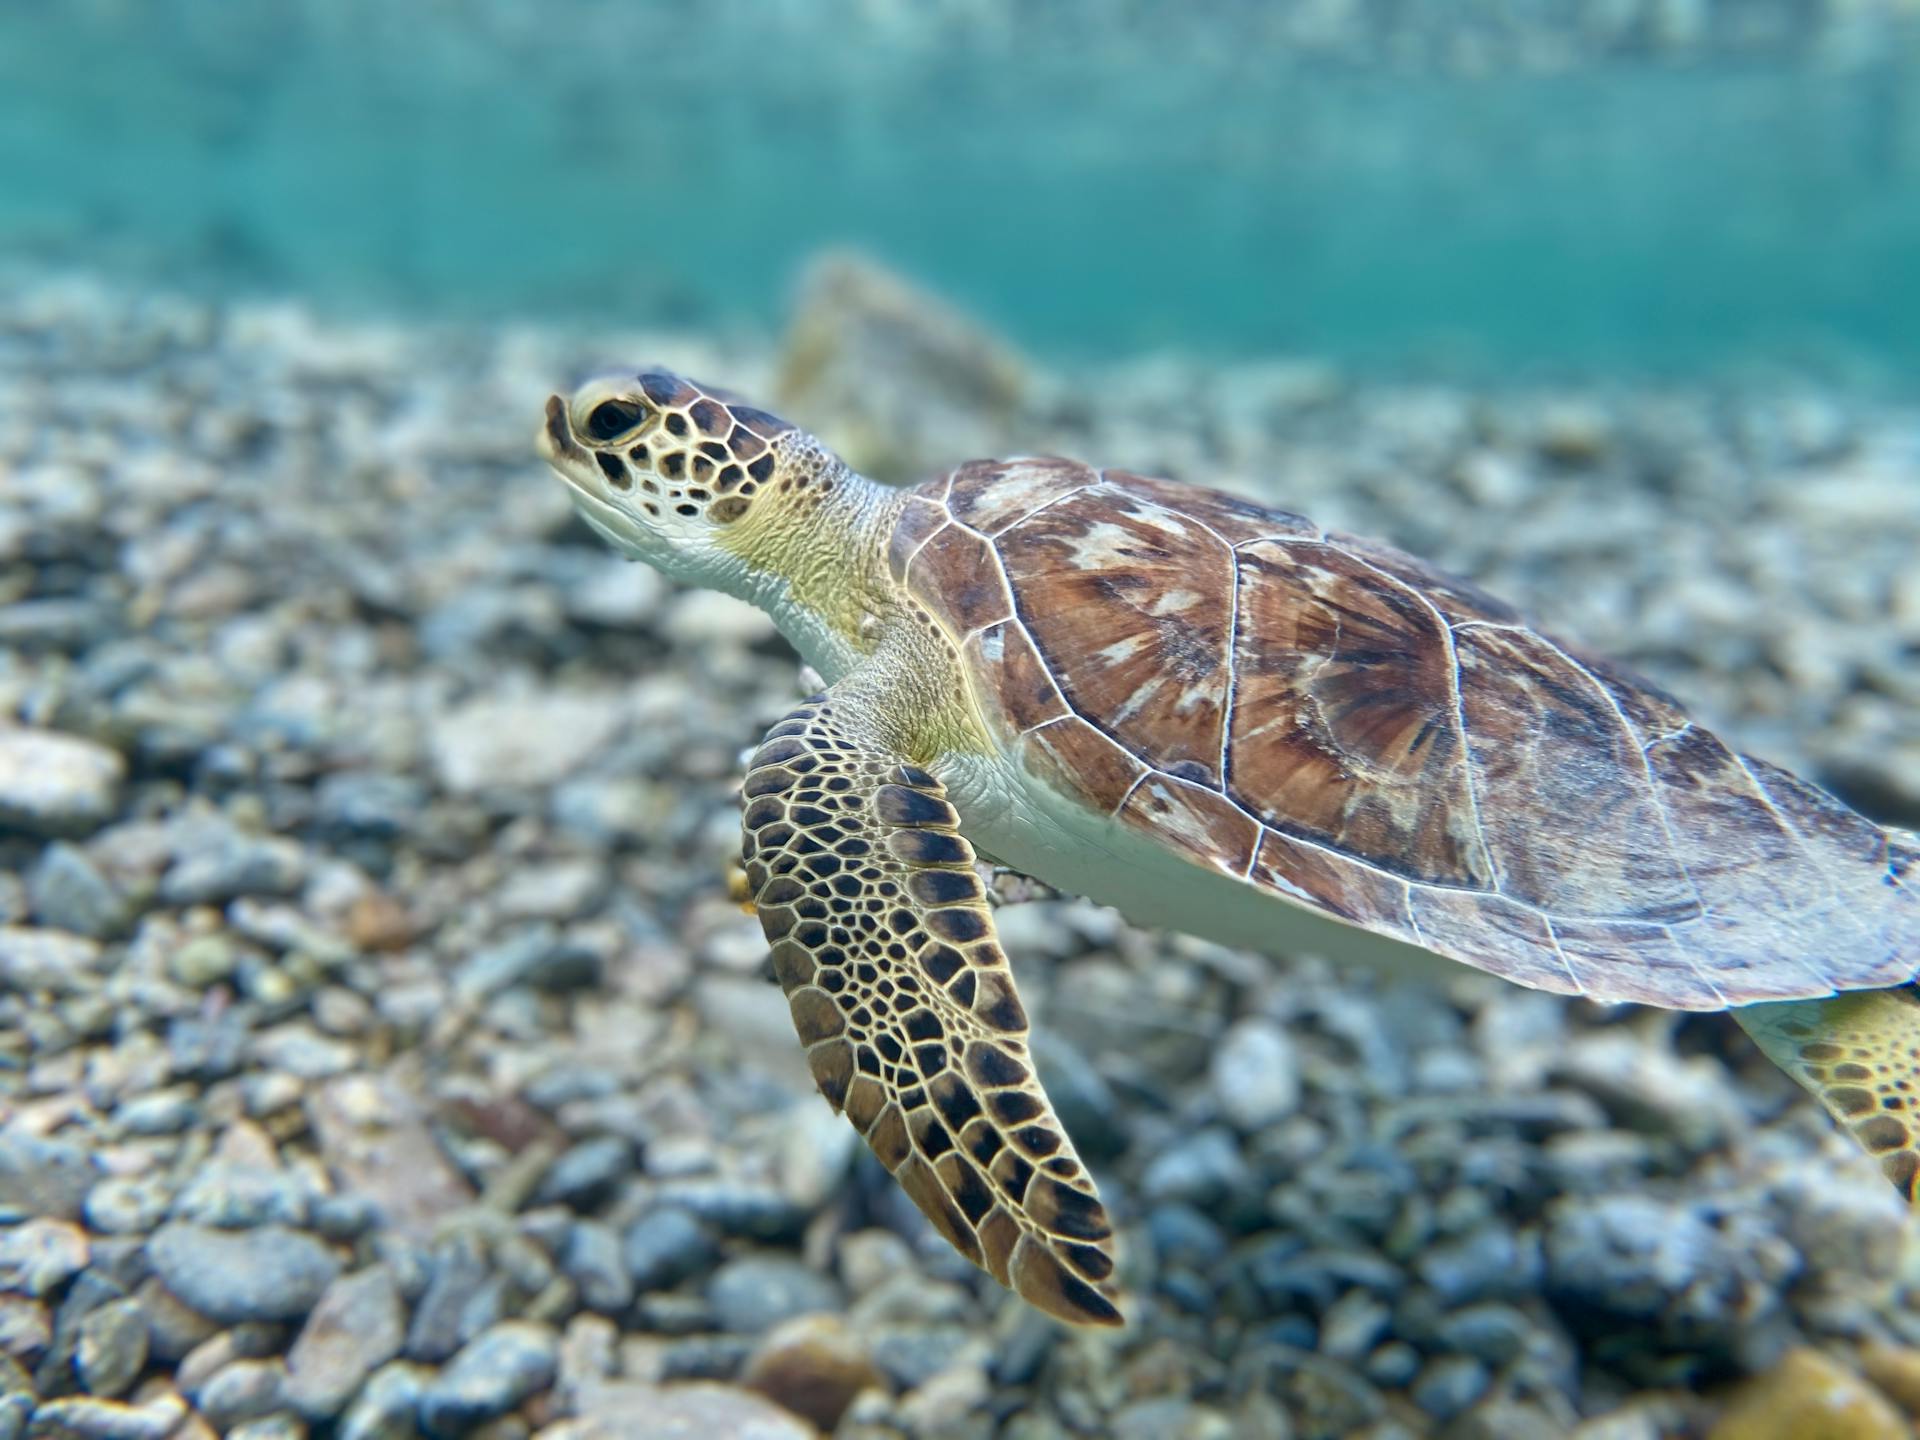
<point x="883" y="941"/>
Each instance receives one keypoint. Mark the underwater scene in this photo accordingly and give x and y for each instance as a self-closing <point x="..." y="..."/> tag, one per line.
<point x="1277" y="644"/>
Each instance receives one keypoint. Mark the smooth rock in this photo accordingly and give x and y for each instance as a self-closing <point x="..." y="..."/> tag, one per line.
<point x="593" y="1260"/>
<point x="243" y="1389"/>
<point x="1808" y="1397"/>
<point x="53" y="960"/>
<point x="387" y="1405"/>
<point x="43" y="1178"/>
<point x="357" y="1326"/>
<point x="112" y="1348"/>
<point x="533" y="740"/>
<point x="268" y="1273"/>
<point x="56" y="785"/>
<point x="665" y="1246"/>
<point x="229" y="864"/>
<point x="86" y="1417"/>
<point x="1449" y="1384"/>
<point x="754" y="1292"/>
<point x="696" y="1410"/>
<point x="1255" y="1073"/>
<point x="812" y="1365"/>
<point x="41" y="1255"/>
<point x="492" y="1374"/>
<point x="67" y="892"/>
<point x="1895" y="1369"/>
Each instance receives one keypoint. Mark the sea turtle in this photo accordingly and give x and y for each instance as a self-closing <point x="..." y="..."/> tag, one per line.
<point x="1225" y="719"/>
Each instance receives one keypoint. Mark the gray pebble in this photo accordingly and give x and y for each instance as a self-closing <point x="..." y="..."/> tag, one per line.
<point x="459" y="1276"/>
<point x="112" y="1349"/>
<point x="86" y="1417"/>
<point x="244" y="1389"/>
<point x="1491" y="1261"/>
<point x="238" y="1197"/>
<point x="356" y="1327"/>
<point x="586" y="1174"/>
<point x="268" y="1273"/>
<point x="48" y="1178"/>
<point x="537" y="957"/>
<point x="50" y="960"/>
<point x="68" y="892"/>
<point x="490" y="1375"/>
<point x="1255" y="1074"/>
<point x="1489" y="1331"/>
<point x="158" y="1112"/>
<point x="739" y="1207"/>
<point x="375" y="806"/>
<point x="55" y="784"/>
<point x="752" y="1293"/>
<point x="281" y="1426"/>
<point x="41" y="1255"/>
<point x="592" y="1259"/>
<point x="1448" y="1385"/>
<point x="1352" y="1324"/>
<point x="233" y="865"/>
<point x="1203" y="1169"/>
<point x="1394" y="1364"/>
<point x="664" y="1247"/>
<point x="387" y="1404"/>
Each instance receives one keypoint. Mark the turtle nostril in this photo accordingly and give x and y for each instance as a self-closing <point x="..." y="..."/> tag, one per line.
<point x="614" y="470"/>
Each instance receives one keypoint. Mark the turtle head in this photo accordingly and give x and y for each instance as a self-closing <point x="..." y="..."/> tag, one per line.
<point x="677" y="474"/>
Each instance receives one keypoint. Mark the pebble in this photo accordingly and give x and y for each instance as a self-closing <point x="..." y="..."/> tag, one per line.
<point x="423" y="777"/>
<point x="753" y="1293"/>
<point x="66" y="891"/>
<point x="39" y="1256"/>
<point x="55" y="784"/>
<point x="226" y="865"/>
<point x="112" y="1348"/>
<point x="696" y="1410"/>
<point x="595" y="1262"/>
<point x="1807" y="1395"/>
<point x="812" y="1365"/>
<point x="357" y="1326"/>
<point x="1202" y="1170"/>
<point x="489" y="1376"/>
<point x="666" y="1246"/>
<point x="586" y="1173"/>
<point x="387" y="1404"/>
<point x="244" y="1389"/>
<point x="86" y="1417"/>
<point x="521" y="741"/>
<point x="1448" y="1385"/>
<point x="1255" y="1074"/>
<point x="269" y="1273"/>
<point x="50" y="960"/>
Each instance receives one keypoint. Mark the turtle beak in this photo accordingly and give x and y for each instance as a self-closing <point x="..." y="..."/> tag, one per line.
<point x="575" y="466"/>
<point x="569" y="459"/>
<point x="555" y="440"/>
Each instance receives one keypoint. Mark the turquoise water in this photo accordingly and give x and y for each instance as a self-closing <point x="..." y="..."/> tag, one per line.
<point x="1089" y="188"/>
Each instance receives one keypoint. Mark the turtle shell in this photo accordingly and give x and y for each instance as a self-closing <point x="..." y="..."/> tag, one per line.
<point x="1340" y="724"/>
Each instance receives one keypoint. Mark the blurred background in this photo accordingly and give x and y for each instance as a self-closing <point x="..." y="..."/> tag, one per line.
<point x="381" y="1054"/>
<point x="1651" y="183"/>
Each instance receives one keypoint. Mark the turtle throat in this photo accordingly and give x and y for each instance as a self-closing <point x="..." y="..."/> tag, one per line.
<point x="815" y="561"/>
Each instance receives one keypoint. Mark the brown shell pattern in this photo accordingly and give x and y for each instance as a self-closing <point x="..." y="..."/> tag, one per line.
<point x="1337" y="722"/>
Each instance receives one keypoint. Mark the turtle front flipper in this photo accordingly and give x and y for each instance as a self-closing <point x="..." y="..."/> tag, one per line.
<point x="883" y="941"/>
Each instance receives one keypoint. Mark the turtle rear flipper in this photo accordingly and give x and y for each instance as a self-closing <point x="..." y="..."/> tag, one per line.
<point x="1859" y="1055"/>
<point x="883" y="941"/>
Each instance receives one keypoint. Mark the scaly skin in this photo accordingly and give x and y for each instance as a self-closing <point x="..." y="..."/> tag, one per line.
<point x="854" y="803"/>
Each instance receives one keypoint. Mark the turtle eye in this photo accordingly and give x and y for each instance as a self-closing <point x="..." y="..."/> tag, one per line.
<point x="613" y="418"/>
